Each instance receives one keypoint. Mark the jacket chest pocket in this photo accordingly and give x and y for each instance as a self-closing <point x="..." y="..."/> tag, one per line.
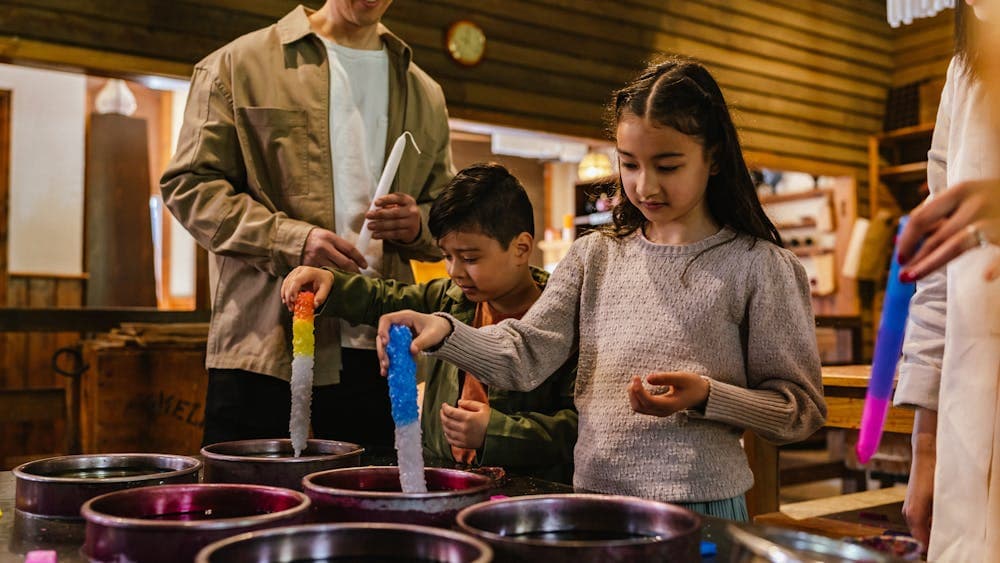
<point x="276" y="148"/>
<point x="415" y="167"/>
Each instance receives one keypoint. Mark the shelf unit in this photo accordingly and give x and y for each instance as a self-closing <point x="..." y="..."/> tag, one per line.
<point x="897" y="168"/>
<point x="766" y="199"/>
<point x="897" y="182"/>
<point x="586" y="193"/>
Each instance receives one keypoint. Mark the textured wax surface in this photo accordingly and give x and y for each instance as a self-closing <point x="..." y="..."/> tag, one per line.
<point x="402" y="376"/>
<point x="410" y="457"/>
<point x="403" y="396"/>
<point x="303" y="348"/>
<point x="303" y="341"/>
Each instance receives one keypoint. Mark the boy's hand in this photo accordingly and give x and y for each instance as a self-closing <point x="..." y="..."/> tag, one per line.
<point x="306" y="278"/>
<point x="465" y="427"/>
<point x="428" y="330"/>
<point x="685" y="390"/>
<point x="396" y="217"/>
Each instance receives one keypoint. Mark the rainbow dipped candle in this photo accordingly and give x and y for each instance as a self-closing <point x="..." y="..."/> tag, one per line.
<point x="303" y="356"/>
<point x="888" y="348"/>
<point x="403" y="397"/>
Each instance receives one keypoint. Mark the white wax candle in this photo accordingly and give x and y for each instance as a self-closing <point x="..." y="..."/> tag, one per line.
<point x="388" y="173"/>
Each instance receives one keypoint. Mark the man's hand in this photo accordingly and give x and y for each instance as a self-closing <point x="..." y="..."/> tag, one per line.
<point x="326" y="248"/>
<point x="396" y="217"/>
<point x="685" y="390"/>
<point x="465" y="426"/>
<point x="306" y="278"/>
<point x="428" y="331"/>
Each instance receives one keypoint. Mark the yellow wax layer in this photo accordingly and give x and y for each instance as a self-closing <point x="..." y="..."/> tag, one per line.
<point x="303" y="340"/>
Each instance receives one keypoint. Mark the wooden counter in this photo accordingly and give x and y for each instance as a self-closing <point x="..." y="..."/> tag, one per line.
<point x="869" y="513"/>
<point x="844" y="390"/>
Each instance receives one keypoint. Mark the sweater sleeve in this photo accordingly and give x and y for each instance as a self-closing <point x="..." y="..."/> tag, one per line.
<point x="520" y="354"/>
<point x="783" y="398"/>
<point x="923" y="346"/>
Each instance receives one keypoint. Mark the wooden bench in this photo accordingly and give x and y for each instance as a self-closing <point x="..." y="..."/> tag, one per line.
<point x="866" y="513"/>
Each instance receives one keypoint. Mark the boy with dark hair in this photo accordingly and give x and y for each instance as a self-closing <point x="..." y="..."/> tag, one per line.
<point x="483" y="223"/>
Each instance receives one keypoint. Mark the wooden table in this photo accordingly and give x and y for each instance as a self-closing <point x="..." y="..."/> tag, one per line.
<point x="844" y="389"/>
<point x="869" y="513"/>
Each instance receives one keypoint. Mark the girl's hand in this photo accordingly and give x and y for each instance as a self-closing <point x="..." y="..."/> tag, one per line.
<point x="955" y="221"/>
<point x="306" y="278"/>
<point x="465" y="426"/>
<point x="686" y="390"/>
<point x="428" y="330"/>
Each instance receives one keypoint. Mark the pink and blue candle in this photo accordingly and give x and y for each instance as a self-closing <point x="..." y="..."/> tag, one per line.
<point x="888" y="348"/>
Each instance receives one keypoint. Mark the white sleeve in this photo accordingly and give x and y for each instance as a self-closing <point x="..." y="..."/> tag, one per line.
<point x="923" y="347"/>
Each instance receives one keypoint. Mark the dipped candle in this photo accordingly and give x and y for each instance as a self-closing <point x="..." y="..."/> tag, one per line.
<point x="888" y="348"/>
<point x="403" y="398"/>
<point x="303" y="354"/>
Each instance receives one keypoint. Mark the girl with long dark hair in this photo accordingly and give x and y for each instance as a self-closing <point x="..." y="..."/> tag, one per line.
<point x="692" y="323"/>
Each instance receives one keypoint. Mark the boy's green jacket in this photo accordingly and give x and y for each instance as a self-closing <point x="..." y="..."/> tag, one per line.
<point x="529" y="433"/>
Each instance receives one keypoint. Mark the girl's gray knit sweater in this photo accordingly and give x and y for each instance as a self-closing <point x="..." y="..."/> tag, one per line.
<point x="726" y="307"/>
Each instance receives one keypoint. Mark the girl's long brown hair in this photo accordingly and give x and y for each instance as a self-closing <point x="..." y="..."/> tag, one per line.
<point x="680" y="93"/>
<point x="967" y="37"/>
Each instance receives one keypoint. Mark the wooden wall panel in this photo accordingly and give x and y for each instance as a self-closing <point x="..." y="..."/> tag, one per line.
<point x="809" y="77"/>
<point x="922" y="50"/>
<point x="26" y="358"/>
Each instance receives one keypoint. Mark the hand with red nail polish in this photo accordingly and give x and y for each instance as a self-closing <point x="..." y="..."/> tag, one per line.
<point x="959" y="219"/>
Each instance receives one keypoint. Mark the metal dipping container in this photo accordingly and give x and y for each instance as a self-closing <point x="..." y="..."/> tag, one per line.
<point x="580" y="528"/>
<point x="57" y="487"/>
<point x="349" y="542"/>
<point x="273" y="462"/>
<point x="170" y="523"/>
<point x="373" y="494"/>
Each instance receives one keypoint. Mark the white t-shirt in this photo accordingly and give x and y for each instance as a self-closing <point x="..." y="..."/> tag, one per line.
<point x="359" y="106"/>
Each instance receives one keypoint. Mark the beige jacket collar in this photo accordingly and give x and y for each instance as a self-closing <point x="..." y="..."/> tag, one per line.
<point x="295" y="25"/>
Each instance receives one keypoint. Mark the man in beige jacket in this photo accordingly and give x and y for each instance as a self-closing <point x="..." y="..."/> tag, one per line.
<point x="284" y="137"/>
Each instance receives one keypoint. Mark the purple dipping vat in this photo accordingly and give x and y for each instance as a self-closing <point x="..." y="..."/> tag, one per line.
<point x="373" y="494"/>
<point x="273" y="462"/>
<point x="358" y="542"/>
<point x="171" y="523"/>
<point x="580" y="528"/>
<point x="57" y="487"/>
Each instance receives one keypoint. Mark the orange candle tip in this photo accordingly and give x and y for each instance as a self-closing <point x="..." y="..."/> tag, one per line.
<point x="305" y="305"/>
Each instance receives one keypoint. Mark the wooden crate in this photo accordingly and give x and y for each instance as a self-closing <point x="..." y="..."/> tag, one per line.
<point x="143" y="399"/>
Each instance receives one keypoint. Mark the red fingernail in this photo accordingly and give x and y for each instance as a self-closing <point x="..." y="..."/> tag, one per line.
<point x="903" y="259"/>
<point x="907" y="277"/>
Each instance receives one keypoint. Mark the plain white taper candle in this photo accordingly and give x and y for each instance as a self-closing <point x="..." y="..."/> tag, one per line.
<point x="388" y="173"/>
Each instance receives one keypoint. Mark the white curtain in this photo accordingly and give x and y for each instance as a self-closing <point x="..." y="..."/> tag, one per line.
<point x="905" y="11"/>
